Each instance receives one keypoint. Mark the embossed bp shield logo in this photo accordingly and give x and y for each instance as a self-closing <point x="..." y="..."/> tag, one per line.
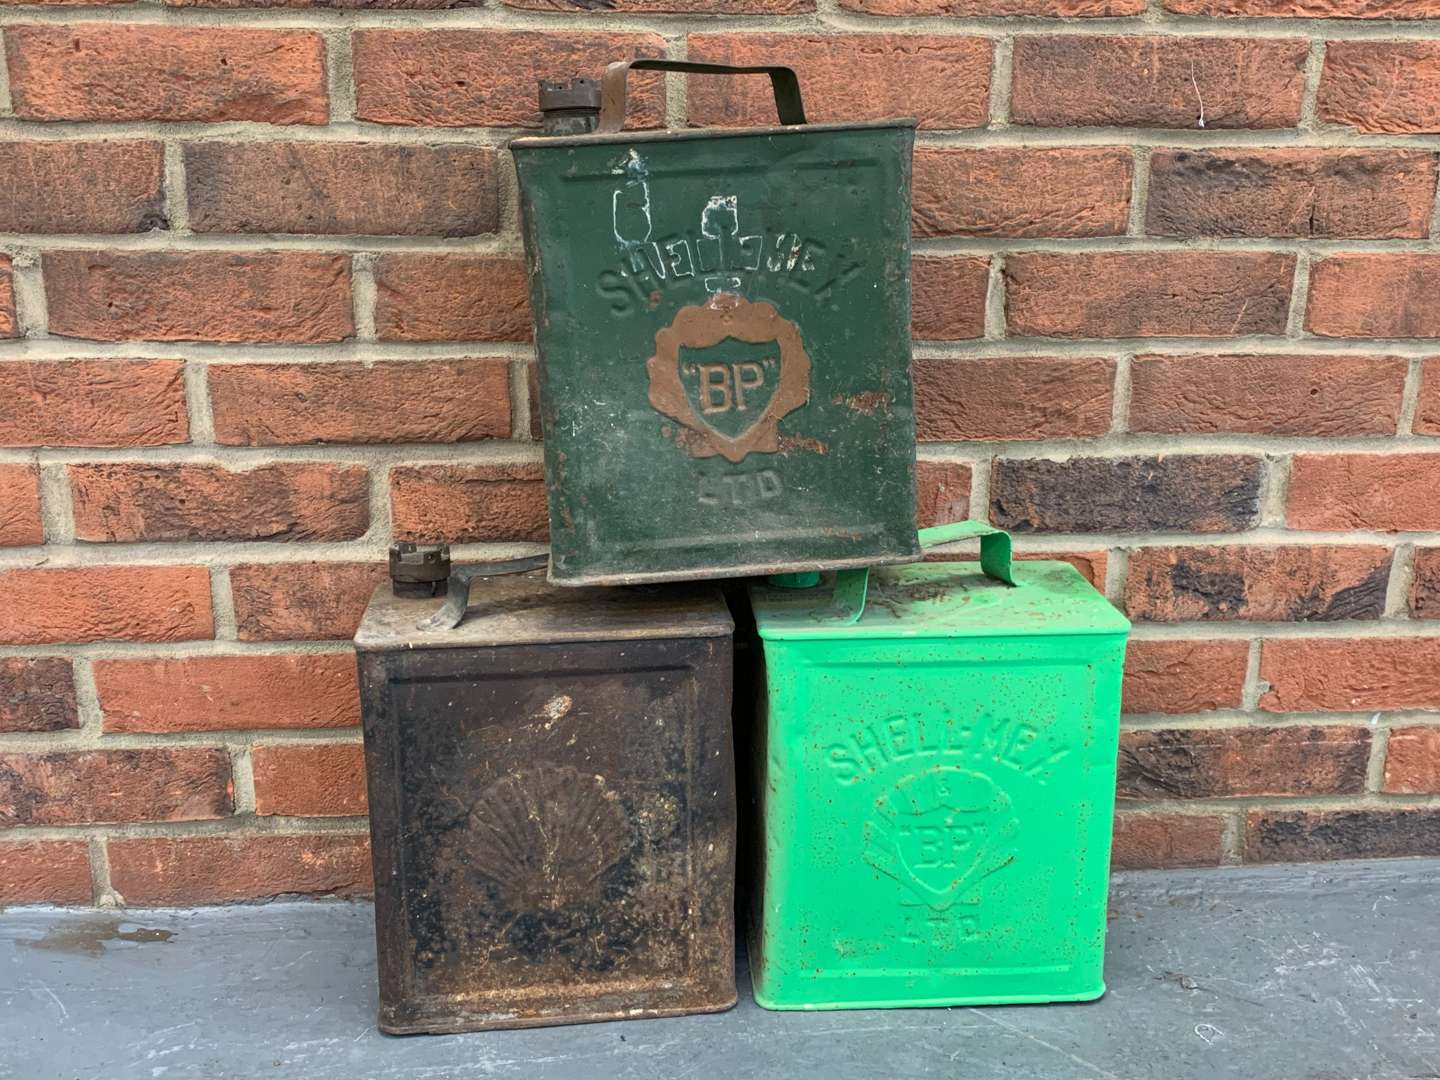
<point x="727" y="371"/>
<point x="941" y="833"/>
<point x="730" y="385"/>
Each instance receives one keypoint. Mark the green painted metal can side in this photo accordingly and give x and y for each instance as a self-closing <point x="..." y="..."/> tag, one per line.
<point x="937" y="807"/>
<point x="722" y="325"/>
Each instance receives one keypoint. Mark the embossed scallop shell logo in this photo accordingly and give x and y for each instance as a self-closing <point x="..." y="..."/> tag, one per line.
<point x="941" y="833"/>
<point x="547" y="835"/>
<point x="728" y="371"/>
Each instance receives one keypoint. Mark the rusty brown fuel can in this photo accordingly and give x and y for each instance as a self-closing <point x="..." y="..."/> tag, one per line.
<point x="722" y="319"/>
<point x="552" y="803"/>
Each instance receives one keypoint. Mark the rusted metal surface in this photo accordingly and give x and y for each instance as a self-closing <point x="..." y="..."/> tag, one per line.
<point x="569" y="106"/>
<point x="457" y="588"/>
<point x="552" y="805"/>
<point x="723" y="332"/>
<point x="723" y="317"/>
<point x="783" y="81"/>
<point x="419" y="569"/>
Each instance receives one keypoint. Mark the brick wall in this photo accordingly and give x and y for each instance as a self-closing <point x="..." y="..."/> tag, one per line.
<point x="260" y="285"/>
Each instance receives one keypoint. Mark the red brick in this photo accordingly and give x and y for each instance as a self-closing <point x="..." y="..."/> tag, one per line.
<point x="947" y="298"/>
<point x="1089" y="81"/>
<point x="1427" y="414"/>
<point x="1112" y="294"/>
<point x="675" y="7"/>
<point x="105" y="603"/>
<point x="943" y="492"/>
<point x="323" y="780"/>
<point x="1289" y="583"/>
<point x="1364" y="194"/>
<point x="1311" y="835"/>
<point x="451" y="298"/>
<point x="1145" y="841"/>
<point x="460" y="78"/>
<point x="295" y="297"/>
<point x="1029" y="397"/>
<point x="372" y="189"/>
<point x="93" y="403"/>
<point x="942" y="80"/>
<point x="1022" y="192"/>
<point x="1164" y="493"/>
<point x="302" y="501"/>
<point x="982" y="8"/>
<point x="95" y="786"/>
<point x="110" y="72"/>
<point x="1425" y="588"/>
<point x="1184" y="676"/>
<point x="341" y="5"/>
<point x="1229" y="763"/>
<point x="1310" y="9"/>
<point x="1386" y="492"/>
<point x="227" y="693"/>
<point x="20" y="505"/>
<point x="37" y="693"/>
<point x="1267" y="395"/>
<point x="312" y="601"/>
<point x="1363" y="674"/>
<point x="1382" y="86"/>
<point x="77" y="187"/>
<point x="469" y="503"/>
<point x="443" y="401"/>
<point x="45" y="872"/>
<point x="9" y="326"/>
<point x="1091" y="564"/>
<point x="215" y="869"/>
<point x="1375" y="295"/>
<point x="1412" y="762"/>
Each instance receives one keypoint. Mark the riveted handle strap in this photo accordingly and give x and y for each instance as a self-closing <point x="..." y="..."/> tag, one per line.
<point x="613" y="91"/>
<point x="994" y="545"/>
<point x="457" y="596"/>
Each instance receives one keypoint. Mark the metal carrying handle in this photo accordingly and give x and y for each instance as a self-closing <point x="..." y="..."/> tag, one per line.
<point x="612" y="87"/>
<point x="851" y="586"/>
<point x="994" y="545"/>
<point x="457" y="597"/>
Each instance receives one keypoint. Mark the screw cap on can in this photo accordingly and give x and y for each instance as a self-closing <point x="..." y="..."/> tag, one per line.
<point x="570" y="106"/>
<point x="577" y="93"/>
<point x="419" y="569"/>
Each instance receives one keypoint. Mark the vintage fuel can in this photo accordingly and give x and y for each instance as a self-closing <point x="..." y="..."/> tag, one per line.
<point x="722" y="322"/>
<point x="552" y="807"/>
<point x="936" y="779"/>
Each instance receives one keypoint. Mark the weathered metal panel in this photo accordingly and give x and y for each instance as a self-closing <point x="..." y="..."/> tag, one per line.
<point x="553" y="822"/>
<point x="723" y="329"/>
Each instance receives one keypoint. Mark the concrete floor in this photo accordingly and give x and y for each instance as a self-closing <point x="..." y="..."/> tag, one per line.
<point x="1328" y="972"/>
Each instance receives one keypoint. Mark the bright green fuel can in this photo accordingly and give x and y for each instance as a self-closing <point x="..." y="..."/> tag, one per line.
<point x="936" y="783"/>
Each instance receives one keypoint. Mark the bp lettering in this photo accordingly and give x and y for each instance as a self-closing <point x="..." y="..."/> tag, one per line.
<point x="941" y="846"/>
<point x="723" y="387"/>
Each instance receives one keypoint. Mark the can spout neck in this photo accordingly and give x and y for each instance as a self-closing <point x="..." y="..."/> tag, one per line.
<point x="570" y="106"/>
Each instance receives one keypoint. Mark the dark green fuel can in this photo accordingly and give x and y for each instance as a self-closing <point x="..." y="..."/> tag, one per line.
<point x="722" y="322"/>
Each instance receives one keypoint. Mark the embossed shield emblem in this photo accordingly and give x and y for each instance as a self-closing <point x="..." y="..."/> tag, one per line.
<point x="941" y="833"/>
<point x="730" y="385"/>
<point x="727" y="371"/>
